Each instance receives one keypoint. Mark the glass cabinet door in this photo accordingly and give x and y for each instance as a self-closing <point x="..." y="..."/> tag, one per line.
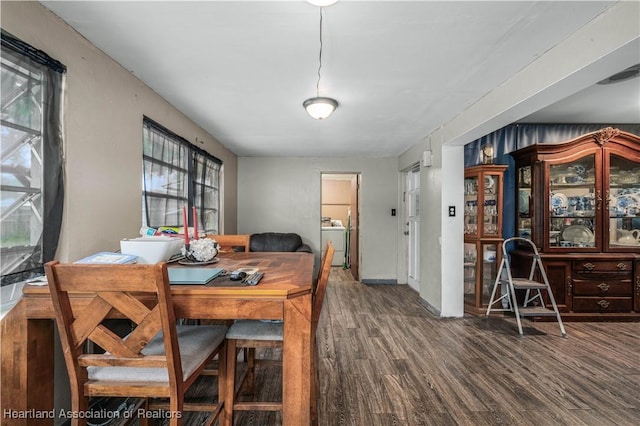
<point x="572" y="204"/>
<point x="489" y="270"/>
<point x="481" y="262"/>
<point x="623" y="200"/>
<point x="491" y="219"/>
<point x="470" y="264"/>
<point x="524" y="202"/>
<point x="471" y="206"/>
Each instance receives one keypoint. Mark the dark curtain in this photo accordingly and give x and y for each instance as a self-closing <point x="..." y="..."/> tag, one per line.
<point x="54" y="74"/>
<point x="206" y="189"/>
<point x="177" y="174"/>
<point x="53" y="185"/>
<point x="166" y="176"/>
<point x="516" y="136"/>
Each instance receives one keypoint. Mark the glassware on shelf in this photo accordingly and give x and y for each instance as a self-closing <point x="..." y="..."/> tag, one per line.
<point x="524" y="177"/>
<point x="572" y="204"/>
<point x="471" y="186"/>
<point x="470" y="255"/>
<point x="471" y="206"/>
<point x="489" y="184"/>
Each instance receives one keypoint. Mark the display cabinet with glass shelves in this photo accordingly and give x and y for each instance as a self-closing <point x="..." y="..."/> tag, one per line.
<point x="483" y="206"/>
<point x="579" y="202"/>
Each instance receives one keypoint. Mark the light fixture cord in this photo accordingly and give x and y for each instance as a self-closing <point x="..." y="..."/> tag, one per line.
<point x="319" y="56"/>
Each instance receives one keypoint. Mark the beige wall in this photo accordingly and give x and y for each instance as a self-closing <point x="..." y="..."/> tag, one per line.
<point x="283" y="195"/>
<point x="104" y="108"/>
<point x="336" y="199"/>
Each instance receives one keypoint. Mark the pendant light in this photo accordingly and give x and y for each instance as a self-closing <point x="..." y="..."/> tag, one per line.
<point x="322" y="3"/>
<point x="320" y="107"/>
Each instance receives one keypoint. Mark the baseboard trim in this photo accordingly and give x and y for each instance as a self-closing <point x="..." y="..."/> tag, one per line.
<point x="430" y="308"/>
<point x="378" y="281"/>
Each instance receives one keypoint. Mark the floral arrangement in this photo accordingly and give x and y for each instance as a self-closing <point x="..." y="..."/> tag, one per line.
<point x="200" y="250"/>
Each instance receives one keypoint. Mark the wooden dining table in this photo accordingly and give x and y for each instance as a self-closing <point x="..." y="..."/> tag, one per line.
<point x="284" y="293"/>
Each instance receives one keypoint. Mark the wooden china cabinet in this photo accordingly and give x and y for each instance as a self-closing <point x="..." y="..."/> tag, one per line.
<point x="579" y="202"/>
<point x="483" y="187"/>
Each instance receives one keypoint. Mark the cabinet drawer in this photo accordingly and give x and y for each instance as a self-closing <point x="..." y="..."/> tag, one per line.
<point x="602" y="304"/>
<point x="587" y="265"/>
<point x="602" y="288"/>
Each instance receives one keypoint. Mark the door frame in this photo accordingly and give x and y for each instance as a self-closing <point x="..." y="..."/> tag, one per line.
<point x="405" y="230"/>
<point x="355" y="231"/>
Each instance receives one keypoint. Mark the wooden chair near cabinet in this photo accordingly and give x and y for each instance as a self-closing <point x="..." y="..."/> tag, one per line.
<point x="228" y="243"/>
<point x="254" y="334"/>
<point x="157" y="359"/>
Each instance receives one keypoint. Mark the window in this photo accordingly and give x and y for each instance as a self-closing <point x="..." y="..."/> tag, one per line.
<point x="206" y="184"/>
<point x="176" y="174"/>
<point x="31" y="149"/>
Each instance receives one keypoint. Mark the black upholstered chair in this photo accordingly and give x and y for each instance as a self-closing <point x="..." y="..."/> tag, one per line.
<point x="278" y="241"/>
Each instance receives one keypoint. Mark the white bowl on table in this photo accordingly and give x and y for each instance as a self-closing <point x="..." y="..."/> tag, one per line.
<point x="152" y="249"/>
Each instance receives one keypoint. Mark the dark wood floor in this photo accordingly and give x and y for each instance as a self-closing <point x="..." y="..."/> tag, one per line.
<point x="384" y="360"/>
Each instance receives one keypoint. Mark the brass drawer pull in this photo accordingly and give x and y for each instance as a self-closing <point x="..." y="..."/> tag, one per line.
<point x="603" y="304"/>
<point x="603" y="286"/>
<point x="621" y="266"/>
<point x="589" y="266"/>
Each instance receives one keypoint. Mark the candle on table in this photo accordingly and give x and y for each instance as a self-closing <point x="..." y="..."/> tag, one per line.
<point x="195" y="224"/>
<point x="186" y="225"/>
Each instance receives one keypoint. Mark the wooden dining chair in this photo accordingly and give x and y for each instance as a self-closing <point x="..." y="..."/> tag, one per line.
<point x="230" y="243"/>
<point x="157" y="359"/>
<point x="254" y="334"/>
<point x="318" y="300"/>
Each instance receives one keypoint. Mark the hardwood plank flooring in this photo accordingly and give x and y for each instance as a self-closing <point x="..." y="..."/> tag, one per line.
<point x="385" y="360"/>
<point x="394" y="363"/>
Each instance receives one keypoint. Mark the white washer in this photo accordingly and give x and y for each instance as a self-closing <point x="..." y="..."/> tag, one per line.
<point x="336" y="235"/>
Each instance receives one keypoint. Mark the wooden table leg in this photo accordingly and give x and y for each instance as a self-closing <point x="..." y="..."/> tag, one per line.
<point x="27" y="369"/>
<point x="231" y="359"/>
<point x="296" y="365"/>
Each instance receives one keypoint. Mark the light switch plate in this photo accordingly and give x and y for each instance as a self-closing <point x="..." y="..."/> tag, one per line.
<point x="427" y="158"/>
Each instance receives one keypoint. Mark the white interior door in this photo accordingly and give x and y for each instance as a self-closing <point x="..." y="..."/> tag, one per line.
<point x="412" y="230"/>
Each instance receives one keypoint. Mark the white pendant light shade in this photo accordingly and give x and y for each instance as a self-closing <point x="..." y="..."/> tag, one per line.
<point x="322" y="3"/>
<point x="320" y="107"/>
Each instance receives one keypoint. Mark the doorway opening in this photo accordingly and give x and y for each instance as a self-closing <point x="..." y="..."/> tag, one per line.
<point x="340" y="218"/>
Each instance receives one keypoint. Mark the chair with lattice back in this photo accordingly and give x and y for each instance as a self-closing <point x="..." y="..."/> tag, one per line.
<point x="230" y="242"/>
<point x="157" y="359"/>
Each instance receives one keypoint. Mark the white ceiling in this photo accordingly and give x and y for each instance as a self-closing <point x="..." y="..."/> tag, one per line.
<point x="241" y="70"/>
